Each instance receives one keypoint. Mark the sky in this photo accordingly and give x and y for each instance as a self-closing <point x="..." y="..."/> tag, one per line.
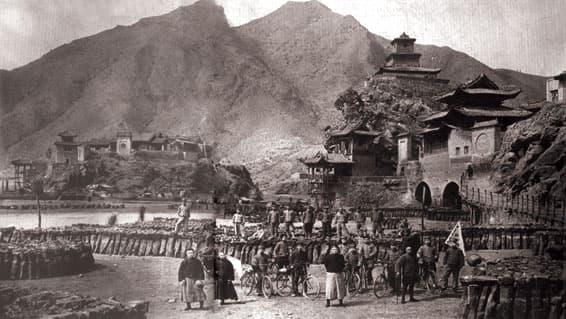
<point x="523" y="35"/>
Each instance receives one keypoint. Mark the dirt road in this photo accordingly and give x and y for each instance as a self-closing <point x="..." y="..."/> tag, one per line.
<point x="154" y="279"/>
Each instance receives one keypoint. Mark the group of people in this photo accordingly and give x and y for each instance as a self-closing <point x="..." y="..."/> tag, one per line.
<point x="287" y="216"/>
<point x="191" y="278"/>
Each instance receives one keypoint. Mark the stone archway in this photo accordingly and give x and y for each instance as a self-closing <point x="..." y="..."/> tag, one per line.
<point x="451" y="196"/>
<point x="423" y="194"/>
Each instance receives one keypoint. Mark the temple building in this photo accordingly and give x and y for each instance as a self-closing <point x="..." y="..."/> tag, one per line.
<point x="556" y="88"/>
<point x="460" y="139"/>
<point x="67" y="150"/>
<point x="405" y="62"/>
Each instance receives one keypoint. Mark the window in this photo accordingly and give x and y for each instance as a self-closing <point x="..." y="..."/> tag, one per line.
<point x="457" y="151"/>
<point x="466" y="150"/>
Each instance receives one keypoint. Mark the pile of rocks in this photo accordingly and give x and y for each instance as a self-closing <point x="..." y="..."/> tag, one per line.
<point x="34" y="303"/>
<point x="32" y="259"/>
<point x="527" y="267"/>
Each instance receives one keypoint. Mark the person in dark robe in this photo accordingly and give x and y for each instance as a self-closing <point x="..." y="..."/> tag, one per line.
<point x="191" y="276"/>
<point x="223" y="277"/>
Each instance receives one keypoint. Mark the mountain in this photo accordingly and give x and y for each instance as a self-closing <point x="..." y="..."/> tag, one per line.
<point x="263" y="91"/>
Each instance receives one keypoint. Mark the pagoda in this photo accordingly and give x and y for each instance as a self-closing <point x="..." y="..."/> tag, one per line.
<point x="405" y="62"/>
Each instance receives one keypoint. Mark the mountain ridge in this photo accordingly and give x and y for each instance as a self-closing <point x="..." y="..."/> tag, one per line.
<point x="263" y="91"/>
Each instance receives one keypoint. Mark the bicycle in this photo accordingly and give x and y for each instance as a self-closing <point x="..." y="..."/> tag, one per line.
<point x="249" y="281"/>
<point x="381" y="283"/>
<point x="308" y="285"/>
<point x="353" y="281"/>
<point x="428" y="278"/>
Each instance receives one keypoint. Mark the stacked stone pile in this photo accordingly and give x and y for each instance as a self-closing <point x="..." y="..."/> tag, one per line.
<point x="34" y="303"/>
<point x="527" y="267"/>
<point x="33" y="259"/>
<point x="64" y="206"/>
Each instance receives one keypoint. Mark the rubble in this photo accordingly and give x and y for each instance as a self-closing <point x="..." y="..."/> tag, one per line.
<point x="35" y="303"/>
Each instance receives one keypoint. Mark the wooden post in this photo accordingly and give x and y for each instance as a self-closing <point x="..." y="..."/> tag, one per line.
<point x="491" y="198"/>
<point x="563" y="214"/>
<point x="532" y="214"/>
<point x="485" y="198"/>
<point x="505" y="308"/>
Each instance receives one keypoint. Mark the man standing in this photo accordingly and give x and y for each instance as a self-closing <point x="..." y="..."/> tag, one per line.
<point x="273" y="219"/>
<point x="407" y="268"/>
<point x="238" y="221"/>
<point x="340" y="219"/>
<point x="299" y="265"/>
<point x="289" y="216"/>
<point x="427" y="257"/>
<point x="335" y="285"/>
<point x="377" y="222"/>
<point x="368" y="250"/>
<point x="281" y="252"/>
<point x="360" y="218"/>
<point x="326" y="220"/>
<point x="259" y="266"/>
<point x="308" y="221"/>
<point x="453" y="262"/>
<point x="391" y="258"/>
<point x="184" y="213"/>
<point x="191" y="274"/>
<point x="223" y="277"/>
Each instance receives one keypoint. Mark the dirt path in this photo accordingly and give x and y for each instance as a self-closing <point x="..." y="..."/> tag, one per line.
<point x="154" y="279"/>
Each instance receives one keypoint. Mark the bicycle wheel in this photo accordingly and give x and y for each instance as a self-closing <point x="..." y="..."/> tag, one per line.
<point x="267" y="287"/>
<point x="310" y="287"/>
<point x="380" y="287"/>
<point x="283" y="285"/>
<point x="353" y="284"/>
<point x="248" y="283"/>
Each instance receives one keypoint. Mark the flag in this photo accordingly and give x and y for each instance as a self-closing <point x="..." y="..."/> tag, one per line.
<point x="456" y="234"/>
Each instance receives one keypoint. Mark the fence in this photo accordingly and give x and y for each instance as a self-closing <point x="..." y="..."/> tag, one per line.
<point x="548" y="210"/>
<point x="512" y="298"/>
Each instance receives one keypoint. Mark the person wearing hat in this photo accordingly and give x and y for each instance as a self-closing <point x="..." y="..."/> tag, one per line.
<point x="326" y="220"/>
<point x="391" y="258"/>
<point x="308" y="221"/>
<point x="299" y="265"/>
<point x="281" y="252"/>
<point x="273" y="220"/>
<point x="184" y="213"/>
<point x="360" y="219"/>
<point x="223" y="277"/>
<point x="334" y="264"/>
<point x="238" y="221"/>
<point x="453" y="263"/>
<point x="353" y="258"/>
<point x="368" y="251"/>
<point x="289" y="218"/>
<point x="340" y="220"/>
<point x="407" y="268"/>
<point x="259" y="266"/>
<point x="190" y="276"/>
<point x="427" y="257"/>
<point x="377" y="220"/>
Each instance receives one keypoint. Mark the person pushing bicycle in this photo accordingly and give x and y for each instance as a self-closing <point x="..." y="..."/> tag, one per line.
<point x="299" y="265"/>
<point x="427" y="257"/>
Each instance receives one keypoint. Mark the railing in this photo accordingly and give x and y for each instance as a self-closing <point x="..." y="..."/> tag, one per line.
<point x="548" y="210"/>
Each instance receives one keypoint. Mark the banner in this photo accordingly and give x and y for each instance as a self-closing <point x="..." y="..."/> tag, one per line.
<point x="456" y="233"/>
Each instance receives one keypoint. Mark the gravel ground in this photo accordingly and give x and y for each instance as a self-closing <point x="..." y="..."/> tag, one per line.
<point x="154" y="279"/>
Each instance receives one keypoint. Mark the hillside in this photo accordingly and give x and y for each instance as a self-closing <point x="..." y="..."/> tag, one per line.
<point x="532" y="157"/>
<point x="263" y="91"/>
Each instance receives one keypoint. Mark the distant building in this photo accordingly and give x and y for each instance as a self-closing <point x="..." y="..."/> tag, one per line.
<point x="405" y="62"/>
<point x="460" y="139"/>
<point x="67" y="150"/>
<point x="556" y="88"/>
<point x="124" y="143"/>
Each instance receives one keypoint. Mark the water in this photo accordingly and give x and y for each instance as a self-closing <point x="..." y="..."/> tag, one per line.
<point x="67" y="217"/>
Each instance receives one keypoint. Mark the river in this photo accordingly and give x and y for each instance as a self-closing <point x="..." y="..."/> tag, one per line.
<point x="66" y="217"/>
